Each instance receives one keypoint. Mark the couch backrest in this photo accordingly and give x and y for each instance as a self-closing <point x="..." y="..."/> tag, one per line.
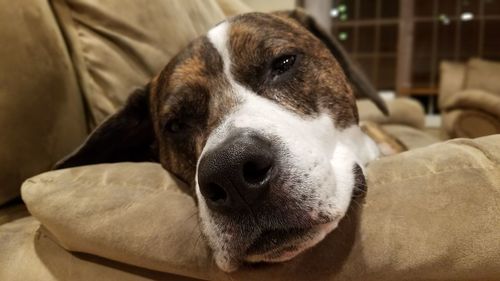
<point x="452" y="76"/>
<point x="483" y="75"/>
<point x="118" y="46"/>
<point x="476" y="74"/>
<point x="41" y="111"/>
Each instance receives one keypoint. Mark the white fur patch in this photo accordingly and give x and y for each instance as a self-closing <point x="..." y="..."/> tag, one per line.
<point x="218" y="36"/>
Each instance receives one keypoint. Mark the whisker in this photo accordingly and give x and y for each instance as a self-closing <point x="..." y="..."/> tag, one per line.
<point x="197" y="240"/>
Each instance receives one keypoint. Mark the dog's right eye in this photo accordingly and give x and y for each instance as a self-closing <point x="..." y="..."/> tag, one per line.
<point x="175" y="126"/>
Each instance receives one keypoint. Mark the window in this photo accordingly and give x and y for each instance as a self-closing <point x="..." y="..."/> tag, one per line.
<point x="439" y="30"/>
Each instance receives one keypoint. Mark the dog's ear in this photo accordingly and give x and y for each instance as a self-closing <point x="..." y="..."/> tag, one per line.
<point x="363" y="87"/>
<point x="125" y="136"/>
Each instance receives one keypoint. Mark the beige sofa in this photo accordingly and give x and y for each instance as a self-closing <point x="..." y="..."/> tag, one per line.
<point x="469" y="98"/>
<point x="430" y="212"/>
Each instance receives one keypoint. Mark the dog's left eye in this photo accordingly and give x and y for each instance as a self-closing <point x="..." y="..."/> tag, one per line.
<point x="282" y="64"/>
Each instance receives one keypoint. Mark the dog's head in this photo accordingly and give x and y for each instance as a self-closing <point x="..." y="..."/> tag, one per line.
<point x="260" y="120"/>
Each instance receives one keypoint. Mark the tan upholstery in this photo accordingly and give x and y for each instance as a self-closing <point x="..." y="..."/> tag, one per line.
<point x="403" y="111"/>
<point x="451" y="80"/>
<point x="469" y="98"/>
<point x="117" y="49"/>
<point x="12" y="211"/>
<point x="423" y="219"/>
<point x="412" y="138"/>
<point x="483" y="75"/>
<point x="471" y="113"/>
<point x="41" y="111"/>
<point x="470" y="123"/>
<point x="44" y="260"/>
<point x="475" y="99"/>
<point x="232" y="8"/>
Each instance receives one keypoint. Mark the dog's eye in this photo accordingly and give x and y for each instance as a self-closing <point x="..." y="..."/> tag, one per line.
<point x="282" y="64"/>
<point x="175" y="126"/>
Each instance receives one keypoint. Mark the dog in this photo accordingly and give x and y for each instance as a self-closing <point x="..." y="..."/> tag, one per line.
<point x="259" y="118"/>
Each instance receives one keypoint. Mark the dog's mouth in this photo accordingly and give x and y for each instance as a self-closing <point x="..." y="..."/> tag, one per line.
<point x="284" y="244"/>
<point x="276" y="241"/>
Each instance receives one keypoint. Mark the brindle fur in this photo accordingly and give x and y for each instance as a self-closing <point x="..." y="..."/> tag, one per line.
<point x="317" y="81"/>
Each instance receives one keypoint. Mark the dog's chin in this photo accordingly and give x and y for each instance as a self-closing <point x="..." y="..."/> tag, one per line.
<point x="276" y="246"/>
<point x="283" y="245"/>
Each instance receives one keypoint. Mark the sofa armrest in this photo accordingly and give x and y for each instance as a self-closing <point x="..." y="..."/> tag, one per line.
<point x="460" y="123"/>
<point x="402" y="111"/>
<point x="429" y="214"/>
<point x="474" y="99"/>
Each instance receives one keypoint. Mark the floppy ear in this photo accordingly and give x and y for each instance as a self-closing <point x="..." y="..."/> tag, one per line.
<point x="363" y="87"/>
<point x="125" y="136"/>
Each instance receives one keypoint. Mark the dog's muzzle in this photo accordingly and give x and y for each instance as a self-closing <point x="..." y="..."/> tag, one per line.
<point x="269" y="189"/>
<point x="237" y="173"/>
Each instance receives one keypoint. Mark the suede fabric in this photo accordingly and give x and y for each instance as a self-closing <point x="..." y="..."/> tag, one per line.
<point x="403" y="111"/>
<point x="12" y="211"/>
<point x="429" y="214"/>
<point x="483" y="75"/>
<point x="125" y="217"/>
<point x="41" y="111"/>
<point x="487" y="102"/>
<point x="42" y="259"/>
<point x="412" y="138"/>
<point x="469" y="124"/>
<point x="116" y="49"/>
<point x="233" y="8"/>
<point x="472" y="113"/>
<point x="451" y="80"/>
<point x="469" y="98"/>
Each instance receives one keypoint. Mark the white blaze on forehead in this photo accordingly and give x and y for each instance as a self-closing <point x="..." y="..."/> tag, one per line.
<point x="218" y="36"/>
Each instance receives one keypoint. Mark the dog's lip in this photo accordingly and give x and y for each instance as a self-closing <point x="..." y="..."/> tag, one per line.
<point x="274" y="240"/>
<point x="284" y="244"/>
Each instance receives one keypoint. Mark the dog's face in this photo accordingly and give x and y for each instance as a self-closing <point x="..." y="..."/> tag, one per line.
<point x="259" y="118"/>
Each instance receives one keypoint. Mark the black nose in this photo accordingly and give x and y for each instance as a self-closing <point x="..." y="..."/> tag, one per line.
<point x="237" y="172"/>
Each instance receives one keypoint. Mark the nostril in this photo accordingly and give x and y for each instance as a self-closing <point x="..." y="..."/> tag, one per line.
<point x="256" y="172"/>
<point x="216" y="194"/>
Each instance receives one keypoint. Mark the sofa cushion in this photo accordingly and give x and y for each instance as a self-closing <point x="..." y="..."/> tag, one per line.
<point x="24" y="244"/>
<point x="41" y="112"/>
<point x="429" y="214"/>
<point x="452" y="76"/>
<point x="120" y="45"/>
<point x="233" y="7"/>
<point x="483" y="75"/>
<point x="403" y="111"/>
<point x="13" y="211"/>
